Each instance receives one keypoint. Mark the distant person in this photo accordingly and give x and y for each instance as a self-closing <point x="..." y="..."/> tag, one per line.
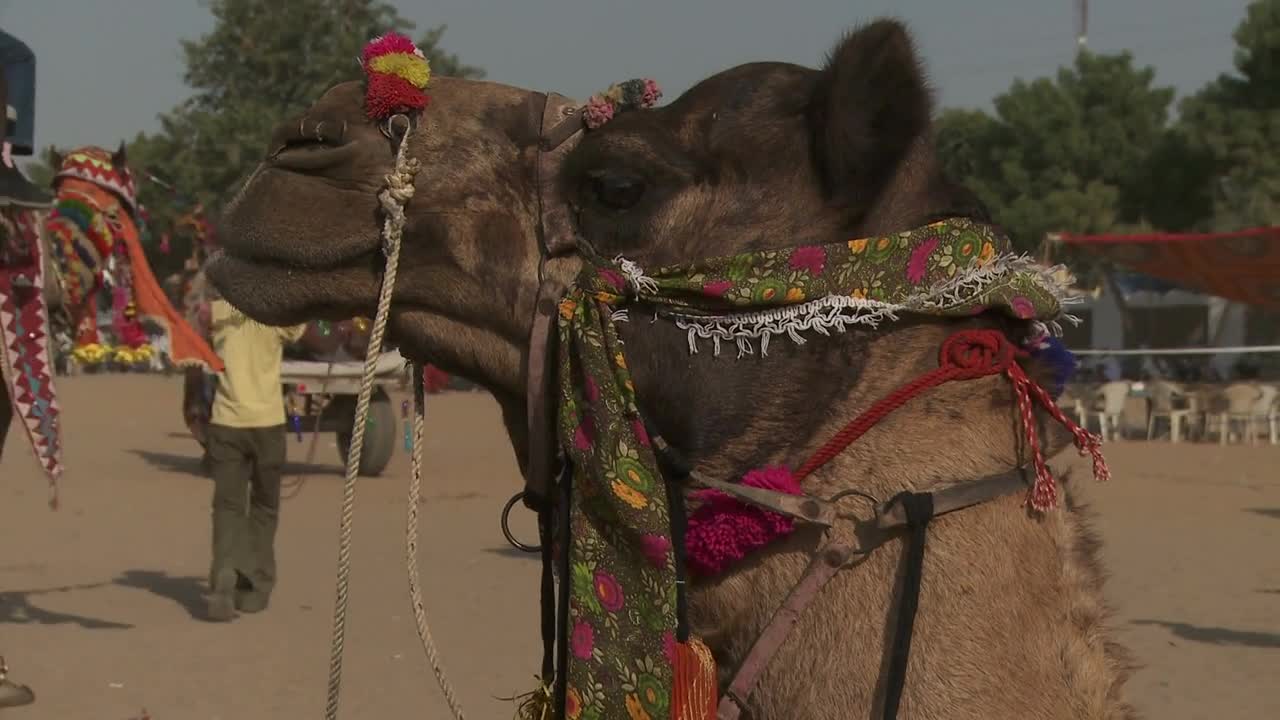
<point x="18" y="99"/>
<point x="246" y="455"/>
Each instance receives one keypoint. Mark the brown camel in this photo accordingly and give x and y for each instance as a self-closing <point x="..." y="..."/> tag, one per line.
<point x="1011" y="619"/>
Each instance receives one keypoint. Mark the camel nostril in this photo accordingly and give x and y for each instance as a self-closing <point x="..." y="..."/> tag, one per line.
<point x="308" y="134"/>
<point x="310" y="144"/>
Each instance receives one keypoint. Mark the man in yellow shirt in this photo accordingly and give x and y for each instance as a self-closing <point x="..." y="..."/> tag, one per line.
<point x="246" y="450"/>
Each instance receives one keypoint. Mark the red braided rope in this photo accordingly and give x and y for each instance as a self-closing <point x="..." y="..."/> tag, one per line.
<point x="967" y="355"/>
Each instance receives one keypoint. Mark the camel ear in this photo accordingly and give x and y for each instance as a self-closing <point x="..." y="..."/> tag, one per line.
<point x="118" y="157"/>
<point x="55" y="158"/>
<point x="870" y="104"/>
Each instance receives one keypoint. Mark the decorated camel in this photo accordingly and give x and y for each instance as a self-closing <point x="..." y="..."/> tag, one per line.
<point x="96" y="227"/>
<point x="796" y="378"/>
<point x="93" y="232"/>
<point x="28" y="291"/>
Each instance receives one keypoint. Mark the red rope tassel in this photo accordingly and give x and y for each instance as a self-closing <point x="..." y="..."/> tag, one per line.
<point x="967" y="355"/>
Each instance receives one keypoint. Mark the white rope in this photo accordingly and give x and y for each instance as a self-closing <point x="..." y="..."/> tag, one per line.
<point x="411" y="547"/>
<point x="400" y="190"/>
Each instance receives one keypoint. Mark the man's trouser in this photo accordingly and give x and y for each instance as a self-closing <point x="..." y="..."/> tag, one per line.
<point x="246" y="464"/>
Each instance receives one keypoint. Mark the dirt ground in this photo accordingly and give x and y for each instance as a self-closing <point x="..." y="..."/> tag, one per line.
<point x="101" y="602"/>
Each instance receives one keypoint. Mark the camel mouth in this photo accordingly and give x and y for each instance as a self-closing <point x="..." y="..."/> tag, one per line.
<point x="281" y="293"/>
<point x="307" y="156"/>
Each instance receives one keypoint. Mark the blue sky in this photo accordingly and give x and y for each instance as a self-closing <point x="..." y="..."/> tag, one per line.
<point x="105" y="69"/>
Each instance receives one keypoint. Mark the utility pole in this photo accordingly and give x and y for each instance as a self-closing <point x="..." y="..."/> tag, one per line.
<point x="1082" y="24"/>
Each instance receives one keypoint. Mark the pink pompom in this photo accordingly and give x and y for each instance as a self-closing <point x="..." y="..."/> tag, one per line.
<point x="597" y="112"/>
<point x="652" y="94"/>
<point x="724" y="530"/>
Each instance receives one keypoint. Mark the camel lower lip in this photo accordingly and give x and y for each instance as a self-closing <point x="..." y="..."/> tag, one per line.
<point x="310" y="158"/>
<point x="279" y="294"/>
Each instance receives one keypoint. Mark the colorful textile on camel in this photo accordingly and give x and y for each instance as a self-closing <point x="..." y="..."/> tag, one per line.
<point x="82" y="242"/>
<point x="187" y="348"/>
<point x="95" y="165"/>
<point x="87" y="228"/>
<point x="396" y="76"/>
<point x="24" y="338"/>
<point x="622" y="583"/>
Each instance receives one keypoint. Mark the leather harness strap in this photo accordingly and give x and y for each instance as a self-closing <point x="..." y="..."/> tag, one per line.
<point x="558" y="123"/>
<point x="834" y="555"/>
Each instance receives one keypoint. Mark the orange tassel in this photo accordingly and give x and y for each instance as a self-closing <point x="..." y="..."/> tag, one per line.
<point x="694" y="690"/>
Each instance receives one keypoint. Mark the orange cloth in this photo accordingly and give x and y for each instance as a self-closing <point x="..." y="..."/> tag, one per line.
<point x="186" y="347"/>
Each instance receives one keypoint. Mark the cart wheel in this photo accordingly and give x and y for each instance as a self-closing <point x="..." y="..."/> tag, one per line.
<point x="379" y="436"/>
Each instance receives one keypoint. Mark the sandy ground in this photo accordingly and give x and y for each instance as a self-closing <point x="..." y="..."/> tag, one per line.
<point x="101" y="603"/>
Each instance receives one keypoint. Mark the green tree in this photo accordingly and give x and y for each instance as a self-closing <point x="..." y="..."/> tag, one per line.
<point x="1069" y="153"/>
<point x="263" y="61"/>
<point x="1234" y="122"/>
<point x="1072" y="153"/>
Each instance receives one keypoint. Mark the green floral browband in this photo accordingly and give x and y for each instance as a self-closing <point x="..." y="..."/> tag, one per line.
<point x="950" y="268"/>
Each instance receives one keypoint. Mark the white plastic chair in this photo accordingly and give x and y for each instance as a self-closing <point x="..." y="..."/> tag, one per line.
<point x="1172" y="402"/>
<point x="1266" y="413"/>
<point x="1238" y="403"/>
<point x="1108" y="405"/>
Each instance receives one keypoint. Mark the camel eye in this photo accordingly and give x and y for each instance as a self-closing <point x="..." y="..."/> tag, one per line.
<point x="617" y="191"/>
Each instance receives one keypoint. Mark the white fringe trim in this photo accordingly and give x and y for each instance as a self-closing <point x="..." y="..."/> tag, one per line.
<point x="837" y="312"/>
<point x="833" y="312"/>
<point x="640" y="283"/>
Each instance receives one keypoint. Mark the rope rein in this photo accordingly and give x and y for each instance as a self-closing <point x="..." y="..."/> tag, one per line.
<point x="393" y="199"/>
<point x="411" y="547"/>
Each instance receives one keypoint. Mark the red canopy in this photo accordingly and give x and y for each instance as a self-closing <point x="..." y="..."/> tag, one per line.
<point x="1243" y="266"/>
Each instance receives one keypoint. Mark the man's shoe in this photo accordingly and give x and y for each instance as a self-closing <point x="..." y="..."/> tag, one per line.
<point x="251" y="601"/>
<point x="15" y="189"/>
<point x="222" y="598"/>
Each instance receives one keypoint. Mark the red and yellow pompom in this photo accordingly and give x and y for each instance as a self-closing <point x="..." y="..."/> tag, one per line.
<point x="398" y="74"/>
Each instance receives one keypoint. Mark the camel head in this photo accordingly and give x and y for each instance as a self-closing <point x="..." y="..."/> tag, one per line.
<point x="764" y="154"/>
<point x="96" y="205"/>
<point x="99" y="174"/>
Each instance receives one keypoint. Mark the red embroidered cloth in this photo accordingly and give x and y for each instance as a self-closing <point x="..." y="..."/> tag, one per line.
<point x="1243" y="266"/>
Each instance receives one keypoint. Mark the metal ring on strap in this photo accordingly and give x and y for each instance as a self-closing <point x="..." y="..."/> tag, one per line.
<point x="506" y="526"/>
<point x="389" y="128"/>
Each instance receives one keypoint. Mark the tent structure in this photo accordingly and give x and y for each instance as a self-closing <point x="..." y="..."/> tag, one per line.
<point x="1243" y="266"/>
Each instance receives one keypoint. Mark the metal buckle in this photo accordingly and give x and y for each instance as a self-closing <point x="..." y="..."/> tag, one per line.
<point x="866" y="530"/>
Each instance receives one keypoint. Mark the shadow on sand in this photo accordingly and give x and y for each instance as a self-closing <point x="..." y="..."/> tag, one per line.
<point x="194" y="466"/>
<point x="188" y="592"/>
<point x="509" y="552"/>
<point x="1217" y="635"/>
<point x="185" y="591"/>
<point x="1273" y="513"/>
<point x="16" y="608"/>
<point x="170" y="462"/>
